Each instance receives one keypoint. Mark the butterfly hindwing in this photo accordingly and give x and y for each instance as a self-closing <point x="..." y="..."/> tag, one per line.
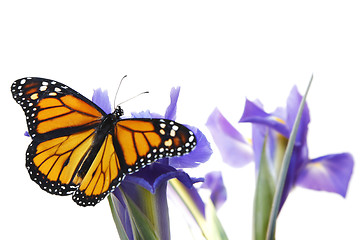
<point x="58" y="166"/>
<point x="102" y="176"/>
<point x="142" y="141"/>
<point x="53" y="164"/>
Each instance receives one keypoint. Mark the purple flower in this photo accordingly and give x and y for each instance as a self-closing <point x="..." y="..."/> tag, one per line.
<point x="329" y="173"/>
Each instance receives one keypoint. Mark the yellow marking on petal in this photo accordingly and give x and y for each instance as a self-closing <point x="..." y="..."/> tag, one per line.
<point x="319" y="166"/>
<point x="279" y="120"/>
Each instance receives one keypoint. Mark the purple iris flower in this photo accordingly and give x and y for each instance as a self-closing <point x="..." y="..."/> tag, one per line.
<point x="154" y="177"/>
<point x="329" y="173"/>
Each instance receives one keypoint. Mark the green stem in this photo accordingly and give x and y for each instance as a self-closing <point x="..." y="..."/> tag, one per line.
<point x="264" y="194"/>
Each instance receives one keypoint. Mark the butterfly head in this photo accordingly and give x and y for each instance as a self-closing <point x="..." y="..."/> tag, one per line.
<point x="118" y="112"/>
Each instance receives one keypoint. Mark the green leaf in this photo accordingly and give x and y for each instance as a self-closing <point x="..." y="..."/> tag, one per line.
<point x="265" y="188"/>
<point x="119" y="226"/>
<point x="155" y="208"/>
<point x="142" y="227"/>
<point x="213" y="224"/>
<point x="146" y="213"/>
<point x="284" y="168"/>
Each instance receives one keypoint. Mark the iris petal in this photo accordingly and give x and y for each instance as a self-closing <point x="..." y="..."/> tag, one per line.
<point x="214" y="182"/>
<point x="101" y="98"/>
<point x="253" y="113"/>
<point x="293" y="104"/>
<point x="234" y="150"/>
<point x="329" y="173"/>
<point x="171" y="109"/>
<point x="154" y="175"/>
<point x="145" y="114"/>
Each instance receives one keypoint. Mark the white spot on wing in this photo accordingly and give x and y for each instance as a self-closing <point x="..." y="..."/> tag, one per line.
<point x="172" y="133"/>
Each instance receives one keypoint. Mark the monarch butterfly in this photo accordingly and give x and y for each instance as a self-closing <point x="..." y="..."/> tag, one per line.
<point x="78" y="149"/>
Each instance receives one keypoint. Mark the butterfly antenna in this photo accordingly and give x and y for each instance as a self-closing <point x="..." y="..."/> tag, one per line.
<point x="133" y="97"/>
<point x="117" y="91"/>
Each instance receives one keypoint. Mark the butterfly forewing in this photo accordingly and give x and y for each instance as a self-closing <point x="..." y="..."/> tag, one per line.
<point x="52" y="108"/>
<point x="142" y="141"/>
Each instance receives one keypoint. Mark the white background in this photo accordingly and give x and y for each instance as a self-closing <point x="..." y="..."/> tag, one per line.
<point x="219" y="52"/>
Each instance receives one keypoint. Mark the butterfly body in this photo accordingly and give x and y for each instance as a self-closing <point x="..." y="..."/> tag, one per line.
<point x="80" y="150"/>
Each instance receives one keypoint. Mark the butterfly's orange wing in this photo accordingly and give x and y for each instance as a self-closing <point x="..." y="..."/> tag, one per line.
<point x="54" y="109"/>
<point x="102" y="177"/>
<point x="142" y="141"/>
<point x="62" y="124"/>
<point x="71" y="154"/>
<point x="53" y="163"/>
